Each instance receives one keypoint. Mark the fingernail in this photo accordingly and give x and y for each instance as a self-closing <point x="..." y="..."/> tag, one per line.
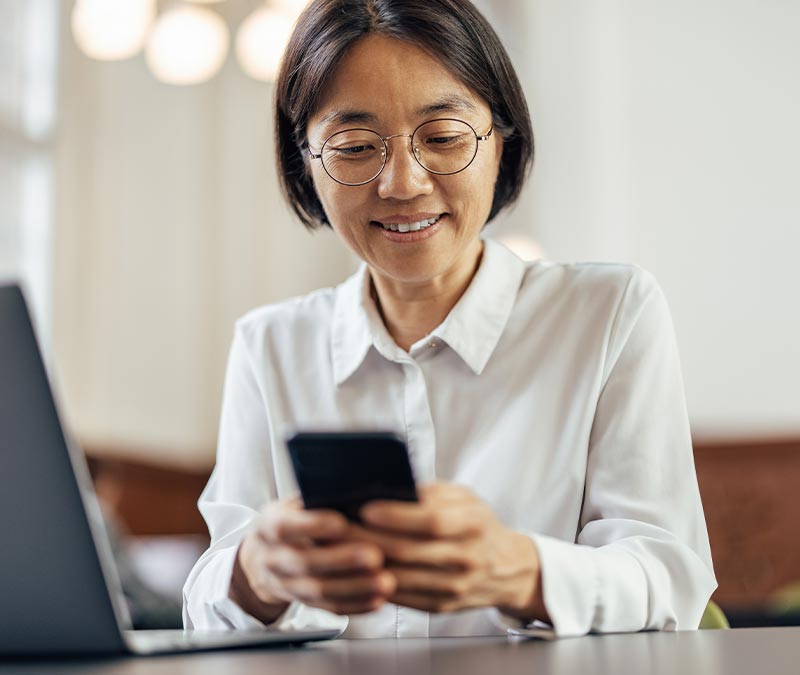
<point x="370" y="512"/>
<point x="387" y="583"/>
<point x="366" y="558"/>
<point x="333" y="527"/>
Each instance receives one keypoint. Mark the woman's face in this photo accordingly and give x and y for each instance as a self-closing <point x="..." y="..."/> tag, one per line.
<point x="391" y="87"/>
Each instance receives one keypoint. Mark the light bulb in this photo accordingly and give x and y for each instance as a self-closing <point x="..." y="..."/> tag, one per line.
<point x="260" y="42"/>
<point x="111" y="30"/>
<point x="187" y="45"/>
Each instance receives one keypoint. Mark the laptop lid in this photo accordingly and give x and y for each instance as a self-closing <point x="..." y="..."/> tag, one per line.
<point x="59" y="590"/>
<point x="54" y="583"/>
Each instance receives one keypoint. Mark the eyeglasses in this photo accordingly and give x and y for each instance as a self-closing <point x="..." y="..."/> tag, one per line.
<point x="357" y="156"/>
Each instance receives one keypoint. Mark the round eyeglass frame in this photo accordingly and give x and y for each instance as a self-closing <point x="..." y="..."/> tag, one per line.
<point x="414" y="149"/>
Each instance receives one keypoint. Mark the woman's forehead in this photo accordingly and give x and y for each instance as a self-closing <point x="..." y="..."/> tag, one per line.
<point x="381" y="76"/>
<point x="452" y="104"/>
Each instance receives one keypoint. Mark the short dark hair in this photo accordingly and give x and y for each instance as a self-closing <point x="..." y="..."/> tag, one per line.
<point x="470" y="49"/>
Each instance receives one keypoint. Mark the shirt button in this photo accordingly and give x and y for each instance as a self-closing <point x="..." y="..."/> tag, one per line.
<point x="433" y="344"/>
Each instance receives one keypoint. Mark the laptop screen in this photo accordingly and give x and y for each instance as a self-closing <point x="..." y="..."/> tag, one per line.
<point x="54" y="595"/>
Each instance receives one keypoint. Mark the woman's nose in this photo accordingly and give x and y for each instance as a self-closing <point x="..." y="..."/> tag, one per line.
<point x="402" y="176"/>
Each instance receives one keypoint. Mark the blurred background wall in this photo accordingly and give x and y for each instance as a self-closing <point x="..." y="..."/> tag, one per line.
<point x="145" y="217"/>
<point x="666" y="136"/>
<point x="170" y="225"/>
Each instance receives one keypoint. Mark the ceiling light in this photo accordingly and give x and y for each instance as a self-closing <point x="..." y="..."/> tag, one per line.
<point x="187" y="45"/>
<point x="260" y="42"/>
<point x="111" y="30"/>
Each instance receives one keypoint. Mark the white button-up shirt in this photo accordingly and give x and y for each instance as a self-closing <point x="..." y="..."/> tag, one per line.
<point x="553" y="391"/>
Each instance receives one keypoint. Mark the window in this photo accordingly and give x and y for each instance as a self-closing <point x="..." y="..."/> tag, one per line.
<point x="28" y="47"/>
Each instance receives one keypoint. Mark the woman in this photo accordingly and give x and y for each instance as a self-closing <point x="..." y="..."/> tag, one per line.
<point x="542" y="403"/>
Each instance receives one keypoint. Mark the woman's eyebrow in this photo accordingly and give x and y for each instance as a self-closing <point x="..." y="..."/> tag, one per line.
<point x="348" y="116"/>
<point x="447" y="104"/>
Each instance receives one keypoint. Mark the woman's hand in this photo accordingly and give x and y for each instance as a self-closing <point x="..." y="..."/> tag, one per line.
<point x="294" y="554"/>
<point x="449" y="552"/>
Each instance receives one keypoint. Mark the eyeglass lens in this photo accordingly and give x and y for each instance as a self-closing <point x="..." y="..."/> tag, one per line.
<point x="357" y="156"/>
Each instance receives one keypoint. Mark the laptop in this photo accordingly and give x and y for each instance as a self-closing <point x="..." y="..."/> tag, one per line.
<point x="59" y="588"/>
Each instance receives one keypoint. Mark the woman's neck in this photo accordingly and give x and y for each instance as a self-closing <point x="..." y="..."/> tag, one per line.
<point x="412" y="311"/>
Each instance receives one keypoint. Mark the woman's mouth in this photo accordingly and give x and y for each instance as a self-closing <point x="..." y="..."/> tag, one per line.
<point x="410" y="227"/>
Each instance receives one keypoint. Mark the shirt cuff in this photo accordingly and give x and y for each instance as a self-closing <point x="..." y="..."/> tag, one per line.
<point x="211" y="608"/>
<point x="569" y="585"/>
<point x="515" y="626"/>
<point x="589" y="589"/>
<point x="207" y="605"/>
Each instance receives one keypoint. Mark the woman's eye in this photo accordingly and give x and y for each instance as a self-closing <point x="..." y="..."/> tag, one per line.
<point x="353" y="150"/>
<point x="444" y="140"/>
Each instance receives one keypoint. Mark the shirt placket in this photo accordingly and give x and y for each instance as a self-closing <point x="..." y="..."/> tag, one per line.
<point x="422" y="451"/>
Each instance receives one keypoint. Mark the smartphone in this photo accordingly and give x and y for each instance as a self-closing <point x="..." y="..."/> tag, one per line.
<point x="344" y="470"/>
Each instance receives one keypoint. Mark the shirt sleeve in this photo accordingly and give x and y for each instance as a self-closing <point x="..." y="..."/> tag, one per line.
<point x="241" y="484"/>
<point x="641" y="559"/>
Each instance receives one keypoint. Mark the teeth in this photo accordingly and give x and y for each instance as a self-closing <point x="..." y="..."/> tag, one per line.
<point x="410" y="227"/>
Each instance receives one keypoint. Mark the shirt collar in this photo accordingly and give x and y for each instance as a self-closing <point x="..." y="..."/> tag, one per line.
<point x="472" y="329"/>
<point x="474" y="326"/>
<point x="351" y="334"/>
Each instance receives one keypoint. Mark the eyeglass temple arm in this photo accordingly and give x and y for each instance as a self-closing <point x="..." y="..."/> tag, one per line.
<point x="489" y="133"/>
